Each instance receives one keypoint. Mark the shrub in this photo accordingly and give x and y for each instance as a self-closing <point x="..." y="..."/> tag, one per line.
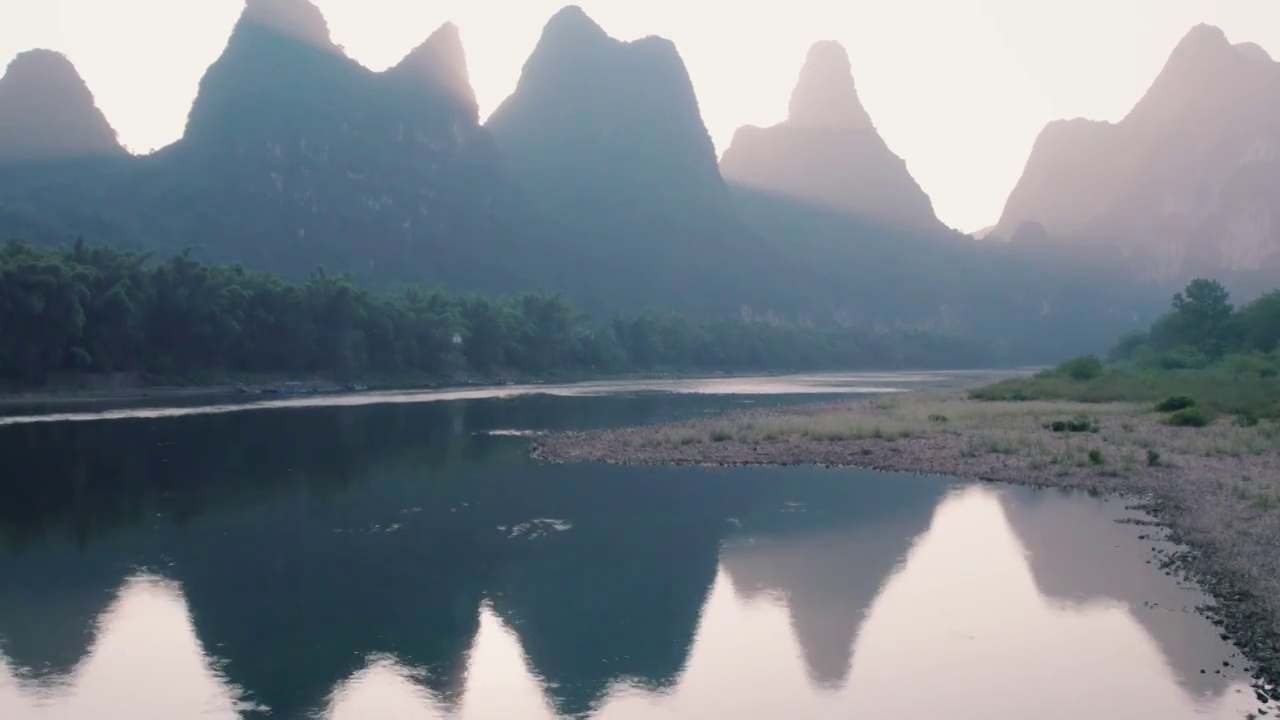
<point x="1081" y="369"/>
<point x="1175" y="403"/>
<point x="1095" y="457"/>
<point x="1188" y="417"/>
<point x="1246" y="420"/>
<point x="939" y="419"/>
<point x="721" y="435"/>
<point x="1153" y="458"/>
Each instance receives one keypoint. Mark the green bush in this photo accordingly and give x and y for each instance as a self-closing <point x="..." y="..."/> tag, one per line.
<point x="721" y="436"/>
<point x="1096" y="458"/>
<point x="1153" y="458"/>
<point x="1188" y="417"/>
<point x="1175" y="403"/>
<point x="1081" y="369"/>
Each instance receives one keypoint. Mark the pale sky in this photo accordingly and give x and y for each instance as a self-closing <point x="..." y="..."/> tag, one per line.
<point x="959" y="88"/>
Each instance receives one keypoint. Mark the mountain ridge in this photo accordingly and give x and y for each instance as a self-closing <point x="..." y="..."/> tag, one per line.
<point x="596" y="178"/>
<point x="295" y="155"/>
<point x="1184" y="184"/>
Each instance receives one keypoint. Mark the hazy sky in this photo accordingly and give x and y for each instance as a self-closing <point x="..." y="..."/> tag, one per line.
<point x="959" y="88"/>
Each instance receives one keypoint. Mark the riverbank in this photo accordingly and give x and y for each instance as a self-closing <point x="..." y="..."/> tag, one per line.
<point x="142" y="390"/>
<point x="1216" y="488"/>
<point x="159" y="391"/>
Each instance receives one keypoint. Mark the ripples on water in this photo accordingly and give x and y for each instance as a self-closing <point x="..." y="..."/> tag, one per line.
<point x="223" y="565"/>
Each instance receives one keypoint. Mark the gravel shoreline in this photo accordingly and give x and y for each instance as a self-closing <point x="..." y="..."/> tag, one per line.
<point x="1216" y="489"/>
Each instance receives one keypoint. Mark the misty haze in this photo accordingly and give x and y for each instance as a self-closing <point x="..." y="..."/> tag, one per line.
<point x="506" y="360"/>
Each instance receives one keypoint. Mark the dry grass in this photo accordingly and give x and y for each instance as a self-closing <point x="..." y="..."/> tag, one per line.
<point x="1125" y="438"/>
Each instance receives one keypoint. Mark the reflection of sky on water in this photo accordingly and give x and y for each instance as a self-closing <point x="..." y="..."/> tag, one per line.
<point x="1005" y="604"/>
<point x="145" y="662"/>
<point x="809" y="384"/>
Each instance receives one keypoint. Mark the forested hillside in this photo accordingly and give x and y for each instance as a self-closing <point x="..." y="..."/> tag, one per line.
<point x="94" y="310"/>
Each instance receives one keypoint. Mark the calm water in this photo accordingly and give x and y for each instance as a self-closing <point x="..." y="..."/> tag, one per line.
<point x="399" y="557"/>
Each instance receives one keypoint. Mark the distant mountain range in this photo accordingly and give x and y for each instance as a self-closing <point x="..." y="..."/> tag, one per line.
<point x="596" y="178"/>
<point x="1188" y="183"/>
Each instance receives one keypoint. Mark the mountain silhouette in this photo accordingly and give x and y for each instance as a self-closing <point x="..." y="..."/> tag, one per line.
<point x="829" y="570"/>
<point x="295" y="156"/>
<point x="607" y="138"/>
<point x="1186" y="184"/>
<point x="829" y="153"/>
<point x="1067" y="565"/>
<point x="48" y="113"/>
<point x="596" y="178"/>
<point x="599" y="116"/>
<point x="439" y="66"/>
<point x="388" y="175"/>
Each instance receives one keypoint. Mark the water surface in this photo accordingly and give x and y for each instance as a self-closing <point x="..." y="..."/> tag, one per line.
<point x="402" y="558"/>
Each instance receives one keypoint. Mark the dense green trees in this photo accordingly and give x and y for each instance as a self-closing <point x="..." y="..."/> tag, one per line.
<point x="96" y="310"/>
<point x="1203" y="357"/>
<point x="1259" y="323"/>
<point x="1203" y="326"/>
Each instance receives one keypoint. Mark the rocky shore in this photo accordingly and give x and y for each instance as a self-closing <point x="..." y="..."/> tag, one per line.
<point x="1216" y="488"/>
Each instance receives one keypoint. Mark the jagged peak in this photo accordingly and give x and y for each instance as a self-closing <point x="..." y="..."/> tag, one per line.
<point x="574" y="43"/>
<point x="441" y="62"/>
<point x="1200" y="45"/>
<point x="826" y="94"/>
<point x="570" y="38"/>
<point x="573" y="20"/>
<point x="1204" y="32"/>
<point x="1203" y="65"/>
<point x="446" y="36"/>
<point x="299" y="20"/>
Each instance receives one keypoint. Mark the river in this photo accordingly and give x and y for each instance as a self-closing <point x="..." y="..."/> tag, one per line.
<point x="398" y="555"/>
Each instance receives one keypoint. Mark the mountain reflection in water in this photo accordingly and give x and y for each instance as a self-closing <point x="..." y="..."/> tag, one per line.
<point x="395" y="561"/>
